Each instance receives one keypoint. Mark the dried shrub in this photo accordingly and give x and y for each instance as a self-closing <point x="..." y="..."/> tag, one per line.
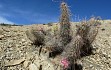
<point x="50" y="24"/>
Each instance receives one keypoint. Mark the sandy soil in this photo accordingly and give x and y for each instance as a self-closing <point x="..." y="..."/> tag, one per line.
<point x="17" y="53"/>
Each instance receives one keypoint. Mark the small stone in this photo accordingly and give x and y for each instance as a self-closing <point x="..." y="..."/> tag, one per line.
<point x="0" y="49"/>
<point x="23" y="40"/>
<point x="33" y="67"/>
<point x="1" y="36"/>
<point x="15" y="62"/>
<point x="26" y="63"/>
<point x="91" y="66"/>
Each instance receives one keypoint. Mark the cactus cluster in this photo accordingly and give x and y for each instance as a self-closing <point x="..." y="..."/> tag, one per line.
<point x="69" y="47"/>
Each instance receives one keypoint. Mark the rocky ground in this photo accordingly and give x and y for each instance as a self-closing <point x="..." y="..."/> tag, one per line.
<point x="17" y="52"/>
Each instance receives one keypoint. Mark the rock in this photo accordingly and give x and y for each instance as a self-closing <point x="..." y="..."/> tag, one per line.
<point x="23" y="40"/>
<point x="1" y="36"/>
<point x="103" y="29"/>
<point x="26" y="64"/>
<point x="0" y="49"/>
<point x="1" y="31"/>
<point x="15" y="62"/>
<point x="33" y="67"/>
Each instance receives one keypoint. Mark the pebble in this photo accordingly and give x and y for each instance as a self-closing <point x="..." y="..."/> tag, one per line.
<point x="1" y="36"/>
<point x="33" y="67"/>
<point x="26" y="63"/>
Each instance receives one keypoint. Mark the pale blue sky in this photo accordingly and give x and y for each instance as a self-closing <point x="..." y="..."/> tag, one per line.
<point x="44" y="11"/>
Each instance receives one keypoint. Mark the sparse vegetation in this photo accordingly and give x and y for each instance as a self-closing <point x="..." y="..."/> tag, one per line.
<point x="49" y="24"/>
<point x="3" y="24"/>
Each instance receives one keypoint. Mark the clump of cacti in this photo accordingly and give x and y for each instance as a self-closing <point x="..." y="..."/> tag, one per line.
<point x="72" y="51"/>
<point x="80" y="44"/>
<point x="60" y="41"/>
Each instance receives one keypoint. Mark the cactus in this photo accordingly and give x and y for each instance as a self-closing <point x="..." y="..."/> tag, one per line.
<point x="92" y="34"/>
<point x="88" y="31"/>
<point x="64" y="37"/>
<point x="72" y="51"/>
<point x="64" y="24"/>
<point x="37" y="37"/>
<point x="83" y="30"/>
<point x="71" y="47"/>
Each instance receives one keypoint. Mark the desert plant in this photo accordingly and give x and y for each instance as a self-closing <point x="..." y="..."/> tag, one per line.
<point x="53" y="45"/>
<point x="80" y="43"/>
<point x="72" y="51"/>
<point x="61" y="39"/>
<point x="88" y="31"/>
<point x="6" y="25"/>
<point x="71" y="47"/>
<point x="94" y="21"/>
<point x="37" y="37"/>
<point x="54" y="30"/>
<point x="83" y="30"/>
<point x="49" y="24"/>
<point x="65" y="24"/>
<point x="92" y="34"/>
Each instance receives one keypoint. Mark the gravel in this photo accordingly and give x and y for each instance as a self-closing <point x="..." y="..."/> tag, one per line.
<point x="15" y="46"/>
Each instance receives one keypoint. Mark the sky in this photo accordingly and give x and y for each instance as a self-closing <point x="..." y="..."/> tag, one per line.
<point x="26" y="12"/>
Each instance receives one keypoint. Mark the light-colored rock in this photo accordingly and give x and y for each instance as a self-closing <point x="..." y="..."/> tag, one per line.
<point x="23" y="40"/>
<point x="0" y="49"/>
<point x="1" y="36"/>
<point x="15" y="62"/>
<point x="26" y="64"/>
<point x="33" y="67"/>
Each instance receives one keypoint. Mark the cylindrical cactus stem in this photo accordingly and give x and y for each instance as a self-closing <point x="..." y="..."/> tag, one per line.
<point x="64" y="24"/>
<point x="37" y="37"/>
<point x="73" y="51"/>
